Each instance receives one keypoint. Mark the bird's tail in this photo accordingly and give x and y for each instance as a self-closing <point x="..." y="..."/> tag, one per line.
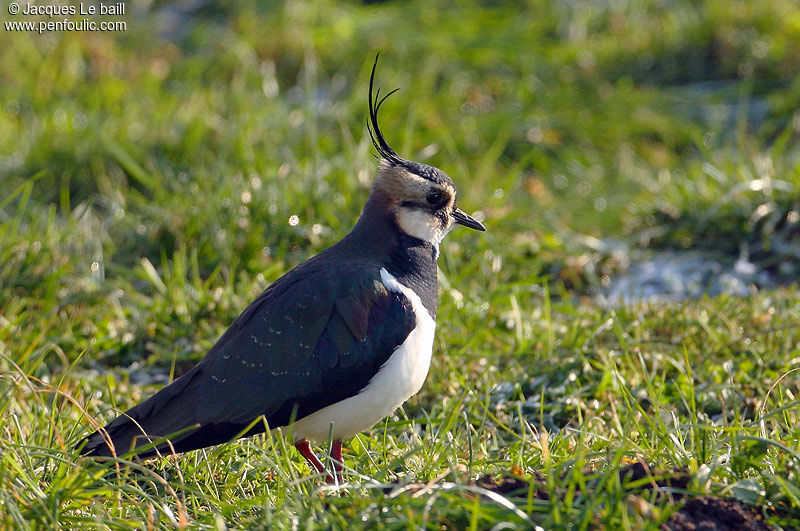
<point x="175" y="414"/>
<point x="171" y="413"/>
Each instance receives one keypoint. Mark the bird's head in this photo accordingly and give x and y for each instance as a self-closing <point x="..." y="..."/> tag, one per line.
<point x="421" y="198"/>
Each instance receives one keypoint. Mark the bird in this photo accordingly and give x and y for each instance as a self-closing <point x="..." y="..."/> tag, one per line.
<point x="331" y="347"/>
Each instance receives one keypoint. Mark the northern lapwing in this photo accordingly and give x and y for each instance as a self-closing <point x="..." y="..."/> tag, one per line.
<point x="331" y="347"/>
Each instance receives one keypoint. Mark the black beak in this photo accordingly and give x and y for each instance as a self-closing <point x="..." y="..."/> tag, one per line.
<point x="462" y="218"/>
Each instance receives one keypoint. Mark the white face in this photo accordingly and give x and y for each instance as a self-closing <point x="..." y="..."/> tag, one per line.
<point x="422" y="208"/>
<point x="423" y="224"/>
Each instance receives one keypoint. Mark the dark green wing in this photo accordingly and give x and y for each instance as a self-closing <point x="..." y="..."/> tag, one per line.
<point x="313" y="338"/>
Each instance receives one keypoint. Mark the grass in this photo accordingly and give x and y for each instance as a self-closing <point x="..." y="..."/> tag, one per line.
<point x="147" y="184"/>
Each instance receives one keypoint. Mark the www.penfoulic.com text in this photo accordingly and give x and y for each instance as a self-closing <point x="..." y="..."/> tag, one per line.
<point x="44" y="17"/>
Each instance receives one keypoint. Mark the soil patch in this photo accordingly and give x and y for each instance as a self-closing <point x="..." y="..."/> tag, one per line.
<point x="711" y="513"/>
<point x="702" y="513"/>
<point x="514" y="486"/>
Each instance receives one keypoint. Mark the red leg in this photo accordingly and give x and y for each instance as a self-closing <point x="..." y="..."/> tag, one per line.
<point x="336" y="456"/>
<point x="305" y="450"/>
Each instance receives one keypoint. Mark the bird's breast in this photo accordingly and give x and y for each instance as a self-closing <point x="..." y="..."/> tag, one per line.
<point x="408" y="366"/>
<point x="400" y="377"/>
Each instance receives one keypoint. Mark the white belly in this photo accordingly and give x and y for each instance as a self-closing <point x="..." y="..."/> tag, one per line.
<point x="396" y="381"/>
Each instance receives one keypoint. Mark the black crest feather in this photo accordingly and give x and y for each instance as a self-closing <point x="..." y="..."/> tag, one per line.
<point x="378" y="140"/>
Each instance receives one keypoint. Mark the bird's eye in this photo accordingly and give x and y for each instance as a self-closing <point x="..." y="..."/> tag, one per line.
<point x="436" y="198"/>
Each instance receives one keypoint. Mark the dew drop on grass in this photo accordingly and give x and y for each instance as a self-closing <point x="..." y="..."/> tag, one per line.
<point x="535" y="135"/>
<point x="600" y="204"/>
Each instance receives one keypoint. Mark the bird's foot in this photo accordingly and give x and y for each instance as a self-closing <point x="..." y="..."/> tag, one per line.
<point x="338" y="463"/>
<point x="304" y="447"/>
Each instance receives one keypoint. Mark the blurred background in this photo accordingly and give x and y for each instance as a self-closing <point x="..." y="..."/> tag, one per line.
<point x="154" y="180"/>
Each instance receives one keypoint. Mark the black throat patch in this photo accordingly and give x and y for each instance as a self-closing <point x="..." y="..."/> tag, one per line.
<point x="413" y="263"/>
